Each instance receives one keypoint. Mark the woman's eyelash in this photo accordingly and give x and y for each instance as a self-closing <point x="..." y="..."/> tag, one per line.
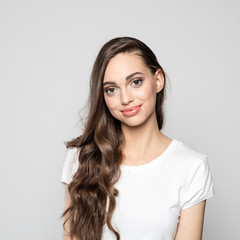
<point x="137" y="82"/>
<point x="111" y="89"/>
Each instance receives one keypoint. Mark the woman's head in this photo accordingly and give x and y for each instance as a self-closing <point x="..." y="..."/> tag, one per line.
<point x="125" y="55"/>
<point x="130" y="89"/>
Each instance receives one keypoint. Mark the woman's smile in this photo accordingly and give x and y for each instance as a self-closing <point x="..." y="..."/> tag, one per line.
<point x="128" y="112"/>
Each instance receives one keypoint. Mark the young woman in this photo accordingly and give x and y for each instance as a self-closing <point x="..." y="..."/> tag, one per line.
<point x="124" y="178"/>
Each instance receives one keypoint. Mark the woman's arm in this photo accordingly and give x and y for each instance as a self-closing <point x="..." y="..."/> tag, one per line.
<point x="66" y="226"/>
<point x="190" y="226"/>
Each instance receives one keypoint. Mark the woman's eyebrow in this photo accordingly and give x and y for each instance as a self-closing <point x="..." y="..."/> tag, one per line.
<point x="132" y="75"/>
<point x="127" y="78"/>
<point x="112" y="83"/>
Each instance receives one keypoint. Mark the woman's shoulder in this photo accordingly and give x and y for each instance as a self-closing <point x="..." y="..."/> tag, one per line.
<point x="72" y="151"/>
<point x="186" y="156"/>
<point x="70" y="165"/>
<point x="192" y="171"/>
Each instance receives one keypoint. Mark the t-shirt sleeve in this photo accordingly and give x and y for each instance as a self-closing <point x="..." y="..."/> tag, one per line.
<point x="199" y="183"/>
<point x="70" y="165"/>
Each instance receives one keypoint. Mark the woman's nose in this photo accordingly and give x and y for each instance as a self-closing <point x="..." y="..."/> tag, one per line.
<point x="126" y="97"/>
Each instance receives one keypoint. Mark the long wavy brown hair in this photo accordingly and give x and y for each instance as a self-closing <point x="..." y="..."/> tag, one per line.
<point x="100" y="146"/>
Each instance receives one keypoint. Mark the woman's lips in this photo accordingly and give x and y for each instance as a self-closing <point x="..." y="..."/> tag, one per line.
<point x="128" y="112"/>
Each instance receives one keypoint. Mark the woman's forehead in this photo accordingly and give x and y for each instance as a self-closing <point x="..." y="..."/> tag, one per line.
<point x="124" y="64"/>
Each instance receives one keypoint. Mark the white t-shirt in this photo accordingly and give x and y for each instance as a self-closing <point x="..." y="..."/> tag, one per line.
<point x="151" y="196"/>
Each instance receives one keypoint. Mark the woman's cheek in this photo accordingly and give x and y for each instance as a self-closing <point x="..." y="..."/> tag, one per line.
<point x="110" y="103"/>
<point x="146" y="93"/>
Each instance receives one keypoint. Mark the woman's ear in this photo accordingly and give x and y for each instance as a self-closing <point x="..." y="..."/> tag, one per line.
<point x="159" y="78"/>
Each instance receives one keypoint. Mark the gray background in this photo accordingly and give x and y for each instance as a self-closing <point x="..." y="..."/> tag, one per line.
<point x="47" y="49"/>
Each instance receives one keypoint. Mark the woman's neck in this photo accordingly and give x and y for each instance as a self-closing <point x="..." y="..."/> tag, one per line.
<point x="143" y="143"/>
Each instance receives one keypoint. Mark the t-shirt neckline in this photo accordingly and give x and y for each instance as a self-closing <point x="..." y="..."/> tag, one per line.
<point x="154" y="161"/>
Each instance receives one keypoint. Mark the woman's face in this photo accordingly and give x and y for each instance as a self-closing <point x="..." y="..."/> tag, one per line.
<point x="130" y="89"/>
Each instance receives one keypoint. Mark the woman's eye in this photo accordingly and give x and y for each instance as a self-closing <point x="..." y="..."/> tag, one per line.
<point x="110" y="91"/>
<point x="137" y="82"/>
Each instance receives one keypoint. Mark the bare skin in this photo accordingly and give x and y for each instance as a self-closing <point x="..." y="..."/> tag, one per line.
<point x="143" y="140"/>
<point x="190" y="226"/>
